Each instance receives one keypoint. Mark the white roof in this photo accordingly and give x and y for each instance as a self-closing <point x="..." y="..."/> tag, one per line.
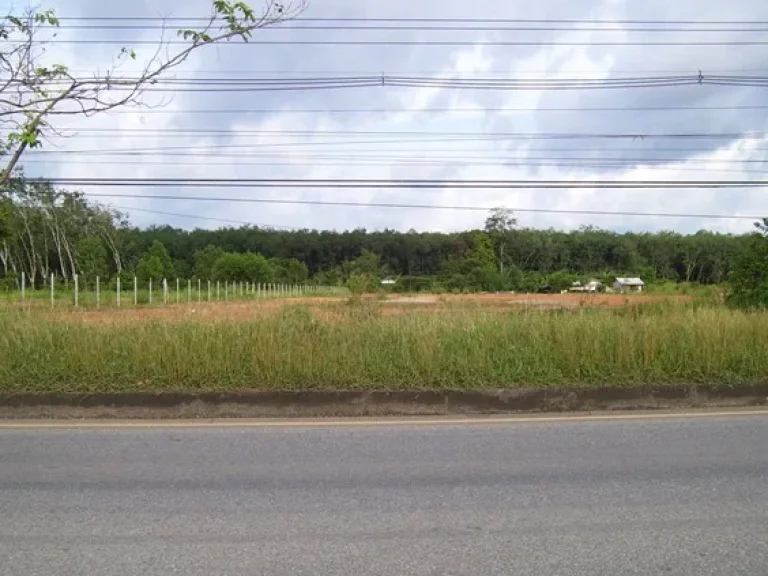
<point x="630" y="281"/>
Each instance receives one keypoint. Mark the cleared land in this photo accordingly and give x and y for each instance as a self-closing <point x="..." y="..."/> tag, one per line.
<point x="424" y="342"/>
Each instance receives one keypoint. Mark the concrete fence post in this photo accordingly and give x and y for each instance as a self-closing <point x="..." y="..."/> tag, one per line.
<point x="98" y="293"/>
<point x="135" y="291"/>
<point x="118" y="291"/>
<point x="177" y="290"/>
<point x="23" y="286"/>
<point x="77" y="290"/>
<point x="189" y="291"/>
<point x="53" y="285"/>
<point x="150" y="290"/>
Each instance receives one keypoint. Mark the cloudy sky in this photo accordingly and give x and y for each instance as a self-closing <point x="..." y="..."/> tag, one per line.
<point x="439" y="133"/>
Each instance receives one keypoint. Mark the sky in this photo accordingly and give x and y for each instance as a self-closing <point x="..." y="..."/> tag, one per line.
<point x="337" y="133"/>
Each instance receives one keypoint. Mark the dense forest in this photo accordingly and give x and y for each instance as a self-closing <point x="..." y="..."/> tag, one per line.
<point x="44" y="231"/>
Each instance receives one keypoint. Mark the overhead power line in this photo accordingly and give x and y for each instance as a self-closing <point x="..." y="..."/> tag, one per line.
<point x="448" y="27"/>
<point x="210" y="218"/>
<point x="422" y="206"/>
<point x="435" y="110"/>
<point x="417" y="42"/>
<point x="383" y="81"/>
<point x="400" y="184"/>
<point x="475" y="20"/>
<point x="420" y="164"/>
<point x="403" y="135"/>
<point x="407" y="133"/>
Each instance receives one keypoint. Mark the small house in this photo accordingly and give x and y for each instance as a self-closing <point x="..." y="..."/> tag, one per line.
<point x="593" y="286"/>
<point x="628" y="285"/>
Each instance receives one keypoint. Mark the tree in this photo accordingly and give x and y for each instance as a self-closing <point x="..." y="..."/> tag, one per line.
<point x="289" y="270"/>
<point x="33" y="91"/>
<point x="155" y="264"/>
<point x="498" y="224"/>
<point x="247" y="267"/>
<point x="748" y="280"/>
<point x="472" y="265"/>
<point x="205" y="259"/>
<point x="92" y="258"/>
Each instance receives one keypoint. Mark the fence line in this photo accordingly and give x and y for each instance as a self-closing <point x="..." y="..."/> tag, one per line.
<point x="93" y="292"/>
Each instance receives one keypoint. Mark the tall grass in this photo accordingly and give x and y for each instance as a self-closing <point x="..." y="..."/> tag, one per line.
<point x="358" y="347"/>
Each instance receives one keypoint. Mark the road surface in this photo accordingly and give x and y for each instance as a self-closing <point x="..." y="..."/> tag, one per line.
<point x="682" y="496"/>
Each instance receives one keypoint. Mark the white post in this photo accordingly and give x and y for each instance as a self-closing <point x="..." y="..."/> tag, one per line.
<point x="165" y="291"/>
<point x="199" y="291"/>
<point x="218" y="289"/>
<point x="177" y="290"/>
<point x="23" y="286"/>
<point x="77" y="290"/>
<point x="150" y="290"/>
<point x="226" y="289"/>
<point x="189" y="291"/>
<point x="118" y="291"/>
<point x="258" y="290"/>
<point x="98" y="293"/>
<point x="53" y="284"/>
<point x="135" y="291"/>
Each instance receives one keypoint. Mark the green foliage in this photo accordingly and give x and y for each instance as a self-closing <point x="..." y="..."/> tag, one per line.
<point x="289" y="270"/>
<point x="561" y="280"/>
<point x="92" y="258"/>
<point x="363" y="283"/>
<point x="368" y="263"/>
<point x="205" y="259"/>
<point x="181" y="268"/>
<point x="247" y="267"/>
<point x="155" y="264"/>
<point x="748" y="280"/>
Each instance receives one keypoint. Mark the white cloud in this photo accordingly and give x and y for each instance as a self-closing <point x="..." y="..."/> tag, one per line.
<point x="299" y="156"/>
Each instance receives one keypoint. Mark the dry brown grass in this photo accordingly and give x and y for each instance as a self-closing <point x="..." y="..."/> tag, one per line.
<point x="333" y="308"/>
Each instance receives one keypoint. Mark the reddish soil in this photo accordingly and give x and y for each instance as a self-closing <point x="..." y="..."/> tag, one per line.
<point x="335" y="308"/>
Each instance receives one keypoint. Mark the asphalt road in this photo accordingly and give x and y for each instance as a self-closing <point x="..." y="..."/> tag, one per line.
<point x="681" y="496"/>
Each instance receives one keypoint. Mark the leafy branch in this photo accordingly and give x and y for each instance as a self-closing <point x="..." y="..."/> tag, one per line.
<point x="32" y="92"/>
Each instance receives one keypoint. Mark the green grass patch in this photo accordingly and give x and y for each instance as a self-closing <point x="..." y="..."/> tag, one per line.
<point x="362" y="348"/>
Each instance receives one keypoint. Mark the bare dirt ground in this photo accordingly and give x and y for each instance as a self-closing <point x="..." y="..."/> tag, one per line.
<point x="332" y="308"/>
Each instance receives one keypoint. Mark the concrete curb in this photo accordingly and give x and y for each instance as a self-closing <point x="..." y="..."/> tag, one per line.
<point x="258" y="404"/>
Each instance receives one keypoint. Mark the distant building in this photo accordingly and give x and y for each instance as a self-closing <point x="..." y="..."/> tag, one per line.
<point x="628" y="285"/>
<point x="591" y="286"/>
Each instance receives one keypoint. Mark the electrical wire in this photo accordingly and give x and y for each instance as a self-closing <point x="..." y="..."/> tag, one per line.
<point x="402" y="183"/>
<point x="210" y="218"/>
<point x="293" y="25"/>
<point x="437" y="110"/>
<point x="415" y="42"/>
<point x="425" y="206"/>
<point x="383" y="81"/>
<point x="474" y="20"/>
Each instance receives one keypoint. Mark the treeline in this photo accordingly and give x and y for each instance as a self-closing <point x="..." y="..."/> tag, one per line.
<point x="44" y="231"/>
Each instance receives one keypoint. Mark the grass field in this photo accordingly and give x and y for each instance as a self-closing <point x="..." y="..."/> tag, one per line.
<point x="401" y="343"/>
